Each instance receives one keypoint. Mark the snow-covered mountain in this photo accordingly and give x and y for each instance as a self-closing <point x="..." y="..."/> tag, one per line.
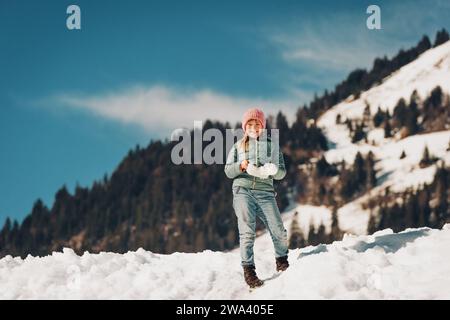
<point x="407" y="265"/>
<point x="428" y="71"/>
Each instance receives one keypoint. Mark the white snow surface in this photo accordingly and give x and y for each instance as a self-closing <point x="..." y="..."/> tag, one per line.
<point x="413" y="264"/>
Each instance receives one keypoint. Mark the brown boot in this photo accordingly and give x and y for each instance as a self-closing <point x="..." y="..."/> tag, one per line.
<point x="251" y="278"/>
<point x="282" y="263"/>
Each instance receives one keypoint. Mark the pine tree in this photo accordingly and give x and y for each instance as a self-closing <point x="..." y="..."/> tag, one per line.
<point x="356" y="179"/>
<point x="346" y="188"/>
<point x="366" y="114"/>
<point x="424" y="44"/>
<point x="396" y="216"/>
<point x="321" y="234"/>
<point x="312" y="236"/>
<point x="372" y="226"/>
<point x="441" y="37"/>
<point x="324" y="169"/>
<point x="296" y="239"/>
<point x="412" y="213"/>
<point x="387" y="127"/>
<point x="349" y="125"/>
<point x="434" y="101"/>
<point x="427" y="159"/>
<point x="16" y="239"/>
<point x="359" y="133"/>
<point x="384" y="219"/>
<point x="322" y="193"/>
<point x="360" y="175"/>
<point x="5" y="232"/>
<point x="282" y="125"/>
<point x="378" y="118"/>
<point x="442" y="184"/>
<point x="412" y="115"/>
<point x="336" y="233"/>
<point x="400" y="113"/>
<point x="414" y="98"/>
<point x="424" y="207"/>
<point x="370" y="170"/>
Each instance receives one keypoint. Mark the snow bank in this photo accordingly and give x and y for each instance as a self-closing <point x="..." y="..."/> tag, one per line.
<point x="409" y="265"/>
<point x="413" y="264"/>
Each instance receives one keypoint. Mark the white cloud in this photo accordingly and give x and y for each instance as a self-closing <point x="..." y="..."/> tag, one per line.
<point x="340" y="41"/>
<point x="160" y="109"/>
<point x="321" y="52"/>
<point x="331" y="45"/>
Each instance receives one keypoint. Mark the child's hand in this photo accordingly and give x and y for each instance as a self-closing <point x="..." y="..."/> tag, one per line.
<point x="244" y="165"/>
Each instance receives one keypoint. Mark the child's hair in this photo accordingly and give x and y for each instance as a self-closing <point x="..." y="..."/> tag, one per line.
<point x="244" y="142"/>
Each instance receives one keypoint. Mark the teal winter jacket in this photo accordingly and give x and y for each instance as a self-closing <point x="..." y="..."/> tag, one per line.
<point x="259" y="153"/>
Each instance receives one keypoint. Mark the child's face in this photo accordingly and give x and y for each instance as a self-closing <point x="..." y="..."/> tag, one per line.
<point x="253" y="128"/>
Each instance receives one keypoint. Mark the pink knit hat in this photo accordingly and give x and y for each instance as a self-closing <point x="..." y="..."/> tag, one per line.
<point x="253" y="113"/>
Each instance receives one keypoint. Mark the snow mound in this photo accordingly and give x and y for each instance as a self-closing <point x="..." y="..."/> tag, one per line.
<point x="413" y="264"/>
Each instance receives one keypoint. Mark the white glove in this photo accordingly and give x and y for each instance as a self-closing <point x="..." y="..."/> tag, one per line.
<point x="268" y="169"/>
<point x="256" y="172"/>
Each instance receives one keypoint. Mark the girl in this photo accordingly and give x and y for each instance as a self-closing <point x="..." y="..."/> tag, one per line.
<point x="252" y="165"/>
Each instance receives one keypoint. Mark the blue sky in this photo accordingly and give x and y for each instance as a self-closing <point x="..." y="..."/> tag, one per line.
<point x="72" y="103"/>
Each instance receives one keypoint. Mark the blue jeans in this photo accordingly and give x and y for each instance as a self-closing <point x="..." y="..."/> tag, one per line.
<point x="249" y="204"/>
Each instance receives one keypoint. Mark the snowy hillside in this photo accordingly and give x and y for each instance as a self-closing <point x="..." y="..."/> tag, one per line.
<point x="393" y="172"/>
<point x="431" y="69"/>
<point x="413" y="264"/>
